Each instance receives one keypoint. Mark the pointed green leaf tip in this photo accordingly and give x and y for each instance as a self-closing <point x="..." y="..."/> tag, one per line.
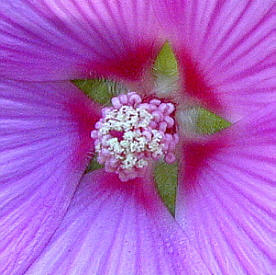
<point x="209" y="123"/>
<point x="166" y="63"/>
<point x="93" y="165"/>
<point x="166" y="182"/>
<point x="100" y="90"/>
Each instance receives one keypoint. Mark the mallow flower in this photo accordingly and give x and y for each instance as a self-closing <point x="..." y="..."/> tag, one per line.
<point x="55" y="219"/>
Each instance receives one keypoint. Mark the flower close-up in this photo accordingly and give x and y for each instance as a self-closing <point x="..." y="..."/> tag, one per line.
<point x="137" y="137"/>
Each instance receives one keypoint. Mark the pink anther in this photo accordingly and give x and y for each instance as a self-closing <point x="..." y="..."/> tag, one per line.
<point x="94" y="134"/>
<point x="145" y="106"/>
<point x="105" y="111"/>
<point x="152" y="107"/>
<point x="116" y="103"/>
<point x="158" y="116"/>
<point x="162" y="107"/>
<point x="176" y="138"/>
<point x="155" y="102"/>
<point x="114" y="155"/>
<point x="155" y="156"/>
<point x="170" y="158"/>
<point x="123" y="99"/>
<point x="134" y="99"/>
<point x="98" y="124"/>
<point x="169" y="120"/>
<point x="170" y="108"/>
<point x="168" y="137"/>
<point x="163" y="126"/>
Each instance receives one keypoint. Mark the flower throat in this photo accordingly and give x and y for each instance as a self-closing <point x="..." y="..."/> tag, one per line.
<point x="132" y="133"/>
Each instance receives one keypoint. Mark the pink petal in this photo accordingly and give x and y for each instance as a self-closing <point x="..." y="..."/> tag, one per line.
<point x="118" y="228"/>
<point x="226" y="201"/>
<point x="70" y="39"/>
<point x="44" y="144"/>
<point x="226" y="51"/>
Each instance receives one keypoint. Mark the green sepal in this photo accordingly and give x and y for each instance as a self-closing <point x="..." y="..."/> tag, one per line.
<point x="210" y="123"/>
<point x="165" y="176"/>
<point x="93" y="165"/>
<point x="100" y="90"/>
<point x="166" y="63"/>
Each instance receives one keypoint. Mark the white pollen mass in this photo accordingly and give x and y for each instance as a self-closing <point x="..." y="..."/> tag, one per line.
<point x="129" y="135"/>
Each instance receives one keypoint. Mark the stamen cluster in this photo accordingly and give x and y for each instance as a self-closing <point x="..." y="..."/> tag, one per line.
<point x="131" y="133"/>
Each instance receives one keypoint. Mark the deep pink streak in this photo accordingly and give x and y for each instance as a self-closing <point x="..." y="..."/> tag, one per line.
<point x="195" y="83"/>
<point x="130" y="66"/>
<point x="195" y="155"/>
<point x="86" y="114"/>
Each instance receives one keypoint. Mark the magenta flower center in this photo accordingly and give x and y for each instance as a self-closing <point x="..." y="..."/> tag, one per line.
<point x="132" y="133"/>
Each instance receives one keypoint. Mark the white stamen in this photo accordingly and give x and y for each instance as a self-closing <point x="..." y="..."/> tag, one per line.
<point x="131" y="133"/>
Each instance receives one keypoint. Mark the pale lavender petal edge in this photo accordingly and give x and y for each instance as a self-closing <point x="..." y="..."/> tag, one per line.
<point x="226" y="199"/>
<point x="70" y="39"/>
<point x="120" y="228"/>
<point x="44" y="148"/>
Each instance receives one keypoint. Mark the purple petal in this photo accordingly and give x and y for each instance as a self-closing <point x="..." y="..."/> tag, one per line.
<point x="118" y="228"/>
<point x="226" y="50"/>
<point x="70" y="39"/>
<point x="226" y="201"/>
<point x="44" y="143"/>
